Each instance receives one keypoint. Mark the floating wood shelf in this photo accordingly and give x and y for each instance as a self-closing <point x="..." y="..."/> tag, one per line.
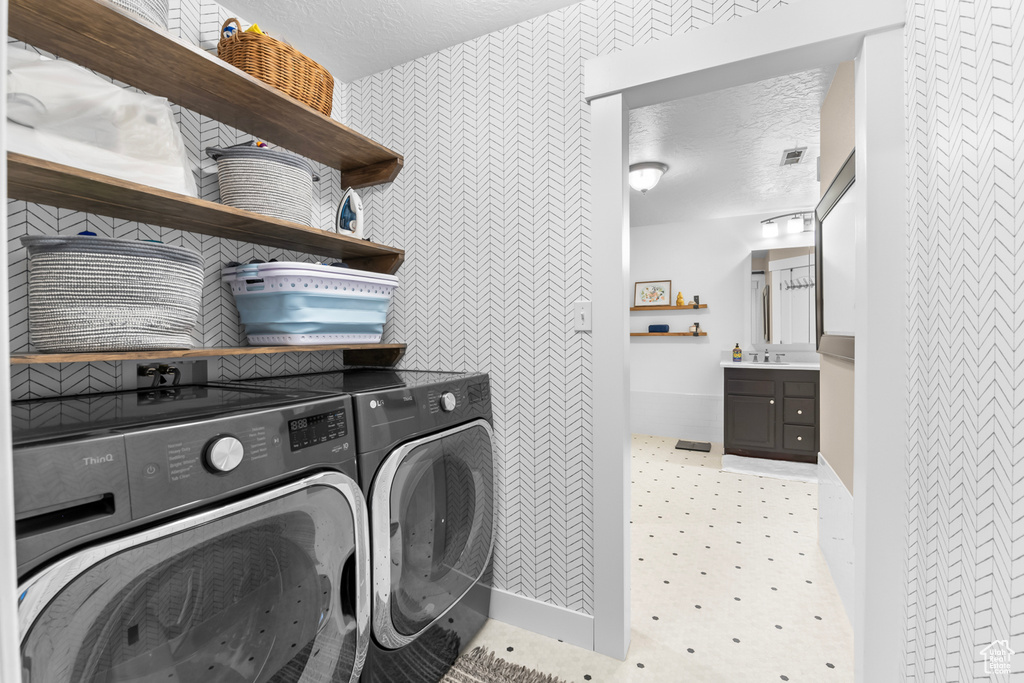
<point x="354" y="354"/>
<point x="668" y="308"/>
<point x="101" y="38"/>
<point x="45" y="182"/>
<point x="668" y="334"/>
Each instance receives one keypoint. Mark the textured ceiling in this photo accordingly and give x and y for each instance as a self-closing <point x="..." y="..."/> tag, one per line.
<point x="723" y="150"/>
<point x="356" y="38"/>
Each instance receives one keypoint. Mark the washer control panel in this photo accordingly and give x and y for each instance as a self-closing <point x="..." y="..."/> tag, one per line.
<point x="179" y="465"/>
<point x="384" y="418"/>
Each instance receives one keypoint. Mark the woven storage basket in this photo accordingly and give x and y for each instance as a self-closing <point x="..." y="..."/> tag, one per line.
<point x="99" y="294"/>
<point x="278" y="64"/>
<point x="153" y="11"/>
<point x="267" y="181"/>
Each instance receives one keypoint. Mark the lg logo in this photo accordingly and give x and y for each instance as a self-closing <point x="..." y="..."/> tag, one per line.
<point x="374" y="403"/>
<point x="97" y="459"/>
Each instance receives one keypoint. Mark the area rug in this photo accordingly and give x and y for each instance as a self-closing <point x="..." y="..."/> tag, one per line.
<point x="482" y="666"/>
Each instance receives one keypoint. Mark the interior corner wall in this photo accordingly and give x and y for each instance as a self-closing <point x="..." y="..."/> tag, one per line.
<point x="493" y="210"/>
<point x="965" y="120"/>
<point x="837" y="125"/>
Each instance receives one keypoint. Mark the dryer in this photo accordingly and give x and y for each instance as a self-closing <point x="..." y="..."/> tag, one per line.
<point x="426" y="466"/>
<point x="212" y="534"/>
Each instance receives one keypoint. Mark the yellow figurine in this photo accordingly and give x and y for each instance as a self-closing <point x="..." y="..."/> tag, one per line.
<point x="680" y="301"/>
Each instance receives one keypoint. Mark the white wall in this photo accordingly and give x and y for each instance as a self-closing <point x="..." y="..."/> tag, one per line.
<point x="676" y="382"/>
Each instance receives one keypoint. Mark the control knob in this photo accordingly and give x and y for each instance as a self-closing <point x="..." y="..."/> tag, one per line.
<point x="448" y="402"/>
<point x="224" y="453"/>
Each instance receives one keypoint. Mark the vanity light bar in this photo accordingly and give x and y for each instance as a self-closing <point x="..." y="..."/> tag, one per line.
<point x="796" y="222"/>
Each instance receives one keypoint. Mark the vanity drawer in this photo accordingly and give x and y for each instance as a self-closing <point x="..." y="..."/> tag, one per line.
<point x="750" y="387"/>
<point x="798" y="389"/>
<point x="798" y="411"/>
<point x="798" y="438"/>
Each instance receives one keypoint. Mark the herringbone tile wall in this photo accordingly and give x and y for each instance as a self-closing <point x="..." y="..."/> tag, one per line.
<point x="965" y="127"/>
<point x="199" y="22"/>
<point x="493" y="210"/>
<point x="494" y="213"/>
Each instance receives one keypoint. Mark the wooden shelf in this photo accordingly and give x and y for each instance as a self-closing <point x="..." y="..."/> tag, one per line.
<point x="668" y="334"/>
<point x="354" y="354"/>
<point x="668" y="308"/>
<point x="45" y="182"/>
<point x="101" y="38"/>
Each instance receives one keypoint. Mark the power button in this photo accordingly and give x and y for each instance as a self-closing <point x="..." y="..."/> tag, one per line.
<point x="151" y="470"/>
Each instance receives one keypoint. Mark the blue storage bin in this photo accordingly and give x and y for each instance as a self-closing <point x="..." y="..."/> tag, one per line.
<point x="297" y="304"/>
<point x="657" y="328"/>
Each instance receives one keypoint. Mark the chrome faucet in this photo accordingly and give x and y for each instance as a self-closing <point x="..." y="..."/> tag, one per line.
<point x="766" y="359"/>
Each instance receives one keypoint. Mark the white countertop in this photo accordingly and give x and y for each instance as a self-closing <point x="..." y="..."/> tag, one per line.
<point x="796" y="365"/>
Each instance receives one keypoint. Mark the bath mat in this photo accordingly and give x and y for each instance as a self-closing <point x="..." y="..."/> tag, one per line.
<point x="482" y="666"/>
<point x="777" y="469"/>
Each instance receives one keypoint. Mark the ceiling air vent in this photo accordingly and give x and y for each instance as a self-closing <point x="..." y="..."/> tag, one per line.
<point x="793" y="156"/>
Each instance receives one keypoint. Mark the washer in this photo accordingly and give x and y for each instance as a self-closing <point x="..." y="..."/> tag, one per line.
<point x="190" y="534"/>
<point x="426" y="467"/>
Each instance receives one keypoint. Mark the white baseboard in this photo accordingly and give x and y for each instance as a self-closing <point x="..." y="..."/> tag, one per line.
<point x="695" y="417"/>
<point x="835" y="531"/>
<point x="544" y="618"/>
<point x="766" y="467"/>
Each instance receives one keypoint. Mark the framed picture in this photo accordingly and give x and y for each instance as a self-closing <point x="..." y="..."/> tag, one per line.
<point x="653" y="293"/>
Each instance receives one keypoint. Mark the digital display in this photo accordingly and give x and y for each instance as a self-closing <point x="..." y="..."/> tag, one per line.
<point x="317" y="429"/>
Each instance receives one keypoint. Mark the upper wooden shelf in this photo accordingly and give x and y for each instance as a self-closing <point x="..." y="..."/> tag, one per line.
<point x="379" y="355"/>
<point x="668" y="308"/>
<point x="101" y="38"/>
<point x="46" y="182"/>
<point x="668" y="334"/>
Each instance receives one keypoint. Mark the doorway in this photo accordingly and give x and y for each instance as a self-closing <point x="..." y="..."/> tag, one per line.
<point x="775" y="43"/>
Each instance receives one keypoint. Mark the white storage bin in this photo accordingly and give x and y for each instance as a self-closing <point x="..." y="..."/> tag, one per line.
<point x="301" y="304"/>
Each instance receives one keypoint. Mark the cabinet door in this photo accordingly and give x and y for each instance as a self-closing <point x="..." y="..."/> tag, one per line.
<point x="750" y="422"/>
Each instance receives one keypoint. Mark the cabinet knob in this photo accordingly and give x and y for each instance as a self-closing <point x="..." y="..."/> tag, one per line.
<point x="772" y="401"/>
<point x="799" y="412"/>
<point x="799" y="438"/>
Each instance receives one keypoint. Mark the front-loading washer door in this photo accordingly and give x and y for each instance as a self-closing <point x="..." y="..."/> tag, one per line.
<point x="273" y="588"/>
<point x="432" y="528"/>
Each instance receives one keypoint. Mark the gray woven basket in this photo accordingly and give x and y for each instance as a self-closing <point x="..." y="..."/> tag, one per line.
<point x="99" y="294"/>
<point x="266" y="181"/>
<point x="153" y="11"/>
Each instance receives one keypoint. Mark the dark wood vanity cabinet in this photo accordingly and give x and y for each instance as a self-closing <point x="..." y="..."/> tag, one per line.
<point x="772" y="413"/>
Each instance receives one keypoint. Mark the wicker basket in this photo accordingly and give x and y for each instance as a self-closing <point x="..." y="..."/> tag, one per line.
<point x="278" y="64"/>
<point x="100" y="294"/>
<point x="153" y="11"/>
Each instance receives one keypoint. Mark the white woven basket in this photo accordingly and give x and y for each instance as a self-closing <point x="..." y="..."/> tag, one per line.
<point x="266" y="181"/>
<point x="153" y="11"/>
<point x="98" y="294"/>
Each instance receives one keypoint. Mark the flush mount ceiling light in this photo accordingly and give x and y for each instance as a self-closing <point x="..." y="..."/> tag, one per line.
<point x="795" y="223"/>
<point x="644" y="176"/>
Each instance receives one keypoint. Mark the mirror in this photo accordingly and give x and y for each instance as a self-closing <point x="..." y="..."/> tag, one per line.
<point x="835" y="238"/>
<point x="782" y="298"/>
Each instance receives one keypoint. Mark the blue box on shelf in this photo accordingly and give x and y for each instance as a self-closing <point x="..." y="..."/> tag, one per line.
<point x="657" y="328"/>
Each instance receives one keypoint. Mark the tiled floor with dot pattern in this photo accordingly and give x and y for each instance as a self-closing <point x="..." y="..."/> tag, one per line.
<point x="728" y="583"/>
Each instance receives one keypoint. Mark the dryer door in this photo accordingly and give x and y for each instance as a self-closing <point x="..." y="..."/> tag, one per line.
<point x="271" y="588"/>
<point x="432" y="517"/>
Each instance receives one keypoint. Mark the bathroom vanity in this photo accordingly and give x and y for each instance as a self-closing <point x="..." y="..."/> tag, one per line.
<point x="771" y="410"/>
